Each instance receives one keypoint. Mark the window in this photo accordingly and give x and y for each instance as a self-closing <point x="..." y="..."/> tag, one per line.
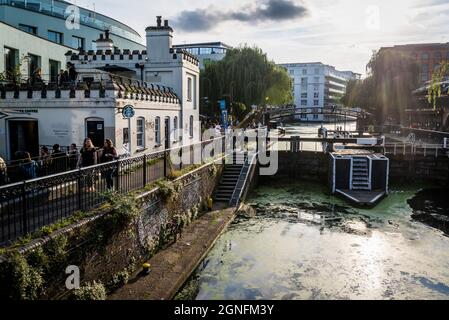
<point x="34" y="64"/>
<point x="425" y="68"/>
<point x="157" y="130"/>
<point x="425" y="56"/>
<point x="292" y="72"/>
<point x="304" y="81"/>
<point x="189" y="89"/>
<point x="78" y="43"/>
<point x="54" y="67"/>
<point x="315" y="117"/>
<point x="194" y="93"/>
<point x="55" y="36"/>
<point x="125" y="135"/>
<point x="437" y="56"/>
<point x="141" y="132"/>
<point x="11" y="59"/>
<point x="303" y="87"/>
<point x="316" y="95"/>
<point x="304" y="71"/>
<point x="317" y="70"/>
<point x="27" y="28"/>
<point x="191" y="127"/>
<point x="303" y="95"/>
<point x="303" y="103"/>
<point x="316" y="87"/>
<point x="316" y="102"/>
<point x="175" y="128"/>
<point x="316" y="80"/>
<point x="303" y="116"/>
<point x="424" y="77"/>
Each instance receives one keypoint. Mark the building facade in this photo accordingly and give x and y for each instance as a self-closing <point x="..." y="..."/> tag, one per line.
<point x="316" y="86"/>
<point x="428" y="56"/>
<point x="206" y="52"/>
<point x="51" y="27"/>
<point x="160" y="84"/>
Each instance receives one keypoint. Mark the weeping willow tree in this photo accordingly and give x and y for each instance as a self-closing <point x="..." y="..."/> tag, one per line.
<point x="387" y="90"/>
<point x="435" y="90"/>
<point x="247" y="77"/>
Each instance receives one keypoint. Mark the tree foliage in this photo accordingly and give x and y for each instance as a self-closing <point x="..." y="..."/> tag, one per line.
<point x="438" y="76"/>
<point x="387" y="90"/>
<point x="245" y="76"/>
<point x="14" y="75"/>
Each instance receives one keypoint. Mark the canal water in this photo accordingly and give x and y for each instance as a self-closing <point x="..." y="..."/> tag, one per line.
<point x="304" y="243"/>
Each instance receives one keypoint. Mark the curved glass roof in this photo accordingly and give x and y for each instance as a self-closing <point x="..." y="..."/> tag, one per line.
<point x="89" y="18"/>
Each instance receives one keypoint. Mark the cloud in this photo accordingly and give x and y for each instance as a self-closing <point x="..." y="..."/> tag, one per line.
<point x="261" y="11"/>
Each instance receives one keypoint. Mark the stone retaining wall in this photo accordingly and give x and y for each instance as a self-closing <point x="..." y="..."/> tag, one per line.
<point x="108" y="251"/>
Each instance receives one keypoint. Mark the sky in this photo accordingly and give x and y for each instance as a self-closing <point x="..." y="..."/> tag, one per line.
<point x="342" y="33"/>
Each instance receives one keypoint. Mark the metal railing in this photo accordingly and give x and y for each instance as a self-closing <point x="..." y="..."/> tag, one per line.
<point x="416" y="149"/>
<point x="242" y="184"/>
<point x="27" y="206"/>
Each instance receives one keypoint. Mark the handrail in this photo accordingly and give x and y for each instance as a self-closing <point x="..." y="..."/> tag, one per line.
<point x="235" y="199"/>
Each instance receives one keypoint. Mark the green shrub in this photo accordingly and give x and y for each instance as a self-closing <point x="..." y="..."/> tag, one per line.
<point x="167" y="190"/>
<point x="119" y="279"/>
<point x="20" y="280"/>
<point x="90" y="291"/>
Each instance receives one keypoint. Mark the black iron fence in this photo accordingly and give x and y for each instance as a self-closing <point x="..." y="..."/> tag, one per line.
<point x="27" y="206"/>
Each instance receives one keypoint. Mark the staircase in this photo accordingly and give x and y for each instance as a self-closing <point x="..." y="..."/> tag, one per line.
<point x="360" y="174"/>
<point x="230" y="177"/>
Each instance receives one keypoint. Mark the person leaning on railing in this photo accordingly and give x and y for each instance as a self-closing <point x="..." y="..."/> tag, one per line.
<point x="108" y="154"/>
<point x="28" y="167"/>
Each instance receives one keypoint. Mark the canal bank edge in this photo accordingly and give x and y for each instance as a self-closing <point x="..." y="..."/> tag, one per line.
<point x="109" y="246"/>
<point x="172" y="267"/>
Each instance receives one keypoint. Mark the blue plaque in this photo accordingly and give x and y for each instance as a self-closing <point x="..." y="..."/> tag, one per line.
<point x="128" y="112"/>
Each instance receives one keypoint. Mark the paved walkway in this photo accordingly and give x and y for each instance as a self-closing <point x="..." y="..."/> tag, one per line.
<point x="170" y="268"/>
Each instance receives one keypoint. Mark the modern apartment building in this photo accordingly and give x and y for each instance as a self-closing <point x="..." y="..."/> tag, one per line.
<point x="427" y="55"/>
<point x="206" y="52"/>
<point x="316" y="86"/>
<point x="37" y="33"/>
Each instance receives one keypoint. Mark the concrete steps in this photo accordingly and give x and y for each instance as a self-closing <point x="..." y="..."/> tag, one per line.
<point x="229" y="179"/>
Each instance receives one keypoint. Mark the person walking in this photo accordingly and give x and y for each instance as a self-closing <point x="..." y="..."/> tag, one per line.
<point x="73" y="157"/>
<point x="109" y="154"/>
<point x="88" y="157"/>
<point x="59" y="159"/>
<point x="44" y="161"/>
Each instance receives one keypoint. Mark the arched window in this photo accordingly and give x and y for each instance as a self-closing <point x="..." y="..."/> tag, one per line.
<point x="191" y="127"/>
<point x="157" y="130"/>
<point x="175" y="128"/>
<point x="140" y="132"/>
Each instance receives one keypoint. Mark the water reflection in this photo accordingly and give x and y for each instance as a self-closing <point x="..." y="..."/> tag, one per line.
<point x="306" y="244"/>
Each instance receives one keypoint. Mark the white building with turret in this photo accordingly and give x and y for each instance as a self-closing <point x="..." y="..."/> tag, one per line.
<point x="160" y="84"/>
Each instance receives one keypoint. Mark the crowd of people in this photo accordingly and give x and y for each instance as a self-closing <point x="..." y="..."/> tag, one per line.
<point x="24" y="167"/>
<point x="65" y="76"/>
